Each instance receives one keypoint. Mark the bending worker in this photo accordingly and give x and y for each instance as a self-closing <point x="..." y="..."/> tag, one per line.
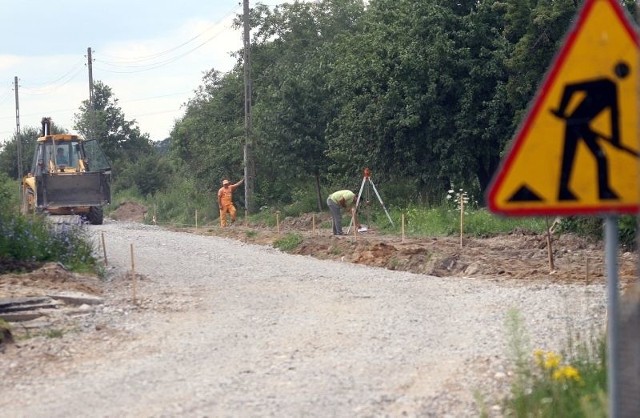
<point x="345" y="199"/>
<point x="225" y="201"/>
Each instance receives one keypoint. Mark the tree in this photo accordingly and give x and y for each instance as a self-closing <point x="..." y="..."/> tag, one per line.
<point x="119" y="138"/>
<point x="9" y="150"/>
<point x="136" y="163"/>
<point x="537" y="32"/>
<point x="483" y="122"/>
<point x="395" y="87"/>
<point x="210" y="136"/>
<point x="148" y="176"/>
<point x="293" y="106"/>
<point x="424" y="93"/>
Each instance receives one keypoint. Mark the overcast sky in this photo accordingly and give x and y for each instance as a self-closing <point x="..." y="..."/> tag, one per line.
<point x="151" y="53"/>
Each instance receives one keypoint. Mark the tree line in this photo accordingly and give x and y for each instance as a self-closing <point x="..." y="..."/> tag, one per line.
<point x="426" y="94"/>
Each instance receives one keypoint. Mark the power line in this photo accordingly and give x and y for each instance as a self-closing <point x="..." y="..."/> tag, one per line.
<point x="133" y="66"/>
<point x="75" y="67"/>
<point x="153" y="66"/>
<point x="167" y="51"/>
<point x="158" y="97"/>
<point x="51" y="87"/>
<point x="6" y="95"/>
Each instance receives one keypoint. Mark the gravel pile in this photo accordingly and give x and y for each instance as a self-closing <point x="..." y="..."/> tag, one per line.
<point x="223" y="328"/>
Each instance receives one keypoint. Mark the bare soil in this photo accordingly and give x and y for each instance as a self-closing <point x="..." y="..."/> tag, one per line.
<point x="520" y="255"/>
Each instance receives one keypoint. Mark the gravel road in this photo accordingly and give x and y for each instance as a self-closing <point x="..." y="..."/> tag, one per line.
<point x="225" y="329"/>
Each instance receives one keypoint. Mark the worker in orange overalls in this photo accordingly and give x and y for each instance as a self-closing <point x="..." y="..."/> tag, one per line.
<point x="225" y="201"/>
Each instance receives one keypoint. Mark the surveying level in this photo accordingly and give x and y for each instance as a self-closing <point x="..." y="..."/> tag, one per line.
<point x="367" y="180"/>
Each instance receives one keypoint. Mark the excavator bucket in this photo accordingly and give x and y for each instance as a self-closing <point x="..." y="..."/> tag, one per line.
<point x="88" y="189"/>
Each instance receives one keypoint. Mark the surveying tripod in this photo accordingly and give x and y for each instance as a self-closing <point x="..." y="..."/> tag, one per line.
<point x="367" y="180"/>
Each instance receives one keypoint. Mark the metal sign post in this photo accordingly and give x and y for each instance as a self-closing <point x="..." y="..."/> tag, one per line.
<point x="613" y="311"/>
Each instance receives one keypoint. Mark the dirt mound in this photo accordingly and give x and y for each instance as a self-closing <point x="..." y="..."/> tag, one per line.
<point x="52" y="277"/>
<point x="129" y="212"/>
<point x="521" y="255"/>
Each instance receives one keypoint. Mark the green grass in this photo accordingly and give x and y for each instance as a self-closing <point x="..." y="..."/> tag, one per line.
<point x="288" y="242"/>
<point x="571" y="383"/>
<point x="445" y="221"/>
<point x="266" y="217"/>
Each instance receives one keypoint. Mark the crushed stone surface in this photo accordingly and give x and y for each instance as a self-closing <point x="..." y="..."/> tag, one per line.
<point x="202" y="326"/>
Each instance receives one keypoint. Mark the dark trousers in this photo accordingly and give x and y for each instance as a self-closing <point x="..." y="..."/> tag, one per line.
<point x="334" y="208"/>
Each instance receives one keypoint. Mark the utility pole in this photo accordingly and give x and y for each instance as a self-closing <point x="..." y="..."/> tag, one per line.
<point x="249" y="156"/>
<point x="18" y="139"/>
<point x="92" y="112"/>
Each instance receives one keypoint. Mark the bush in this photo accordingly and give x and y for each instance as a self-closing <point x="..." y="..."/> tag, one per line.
<point x="9" y="194"/>
<point x="148" y="175"/>
<point x="592" y="227"/>
<point x="628" y="228"/>
<point x="33" y="239"/>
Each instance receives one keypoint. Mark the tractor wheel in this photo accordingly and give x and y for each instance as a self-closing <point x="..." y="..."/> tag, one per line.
<point x="95" y="215"/>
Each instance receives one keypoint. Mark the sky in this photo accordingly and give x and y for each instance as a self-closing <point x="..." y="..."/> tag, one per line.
<point x="152" y="54"/>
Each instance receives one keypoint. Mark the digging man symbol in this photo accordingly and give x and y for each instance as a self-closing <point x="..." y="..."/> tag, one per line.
<point x="599" y="95"/>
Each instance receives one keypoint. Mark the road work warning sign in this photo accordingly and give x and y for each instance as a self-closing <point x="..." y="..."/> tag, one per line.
<point x="577" y="151"/>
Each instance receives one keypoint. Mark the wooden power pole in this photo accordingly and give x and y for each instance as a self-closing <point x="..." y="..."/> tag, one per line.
<point x="249" y="155"/>
<point x="18" y="139"/>
<point x="92" y="112"/>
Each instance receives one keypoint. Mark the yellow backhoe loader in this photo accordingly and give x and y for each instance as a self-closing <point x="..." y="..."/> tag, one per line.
<point x="69" y="176"/>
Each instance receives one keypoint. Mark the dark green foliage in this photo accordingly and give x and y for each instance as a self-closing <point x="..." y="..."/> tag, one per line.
<point x="137" y="164"/>
<point x="427" y="94"/>
<point x="33" y="239"/>
<point x="632" y="8"/>
<point x="27" y="241"/>
<point x="628" y="227"/>
<point x="9" y="194"/>
<point x="536" y="31"/>
<point x="292" y="101"/>
<point x="587" y="226"/>
<point x="209" y="138"/>
<point x="147" y="176"/>
<point x="120" y="139"/>
<point x="592" y="227"/>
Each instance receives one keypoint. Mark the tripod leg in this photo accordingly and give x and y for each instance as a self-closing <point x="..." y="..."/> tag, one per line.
<point x="357" y="203"/>
<point x="381" y="202"/>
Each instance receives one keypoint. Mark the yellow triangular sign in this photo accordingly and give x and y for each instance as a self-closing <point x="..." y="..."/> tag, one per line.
<point x="577" y="151"/>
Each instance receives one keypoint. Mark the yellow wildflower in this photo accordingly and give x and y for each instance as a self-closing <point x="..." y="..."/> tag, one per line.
<point x="552" y="360"/>
<point x="566" y="373"/>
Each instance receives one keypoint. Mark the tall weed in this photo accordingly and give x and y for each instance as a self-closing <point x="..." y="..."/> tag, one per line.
<point x="571" y="383"/>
